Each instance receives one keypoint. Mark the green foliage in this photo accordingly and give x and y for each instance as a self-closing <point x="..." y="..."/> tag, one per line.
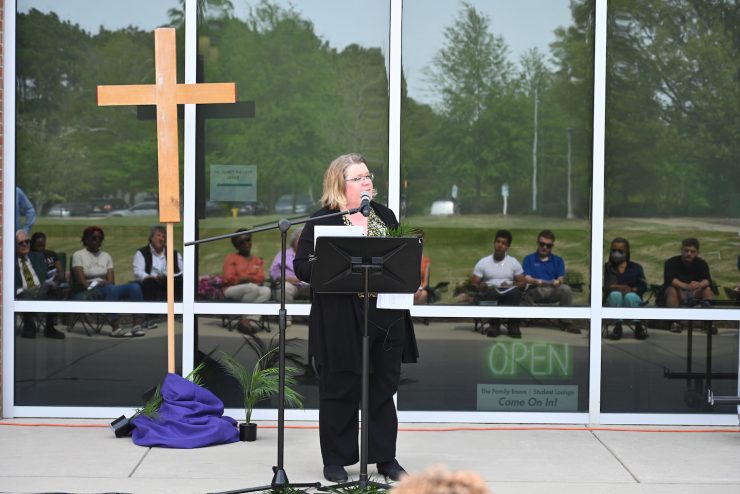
<point x="260" y="382"/>
<point x="268" y="351"/>
<point x="403" y="230"/>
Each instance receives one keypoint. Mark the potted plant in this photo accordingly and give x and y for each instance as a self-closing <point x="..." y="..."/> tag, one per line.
<point x="257" y="384"/>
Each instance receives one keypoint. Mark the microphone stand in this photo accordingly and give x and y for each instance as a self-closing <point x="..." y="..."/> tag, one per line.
<point x="280" y="478"/>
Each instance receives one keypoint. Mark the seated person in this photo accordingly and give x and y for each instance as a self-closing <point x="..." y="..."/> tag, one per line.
<point x="30" y="284"/>
<point x="421" y="296"/>
<point x="500" y="277"/>
<point x="55" y="270"/>
<point x="686" y="277"/>
<point x="734" y="293"/>
<point x="294" y="288"/>
<point x="624" y="284"/>
<point x="93" y="278"/>
<point x="150" y="267"/>
<point x="243" y="277"/>
<point x="545" y="271"/>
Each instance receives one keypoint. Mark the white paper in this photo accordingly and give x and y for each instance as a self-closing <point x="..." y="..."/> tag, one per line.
<point x="335" y="231"/>
<point x="395" y="300"/>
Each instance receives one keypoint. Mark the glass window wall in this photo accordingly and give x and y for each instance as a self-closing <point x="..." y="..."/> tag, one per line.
<point x="501" y="365"/>
<point x="664" y="366"/>
<point x="496" y="134"/>
<point x="91" y="175"/>
<point x="495" y="160"/>
<point x="669" y="237"/>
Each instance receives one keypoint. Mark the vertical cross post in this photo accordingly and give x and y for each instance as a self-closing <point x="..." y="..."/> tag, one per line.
<point x="166" y="94"/>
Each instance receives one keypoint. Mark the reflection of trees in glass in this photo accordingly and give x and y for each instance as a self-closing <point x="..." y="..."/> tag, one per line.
<point x="67" y="147"/>
<point x="485" y="131"/>
<point x="312" y="102"/>
<point x="673" y="114"/>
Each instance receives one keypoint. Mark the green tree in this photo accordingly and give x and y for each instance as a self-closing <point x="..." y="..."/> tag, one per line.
<point x="469" y="69"/>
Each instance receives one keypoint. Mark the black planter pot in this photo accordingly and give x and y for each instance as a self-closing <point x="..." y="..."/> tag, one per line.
<point x="248" y="432"/>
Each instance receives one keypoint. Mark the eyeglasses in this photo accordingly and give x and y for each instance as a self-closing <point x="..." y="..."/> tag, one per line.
<point x="369" y="177"/>
<point x="24" y="242"/>
<point x="545" y="245"/>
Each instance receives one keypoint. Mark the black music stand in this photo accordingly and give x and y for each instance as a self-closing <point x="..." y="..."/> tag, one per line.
<point x="365" y="264"/>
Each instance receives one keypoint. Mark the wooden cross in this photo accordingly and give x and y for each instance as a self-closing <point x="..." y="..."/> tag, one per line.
<point x="166" y="94"/>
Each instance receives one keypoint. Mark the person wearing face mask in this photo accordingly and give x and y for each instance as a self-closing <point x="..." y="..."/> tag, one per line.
<point x="624" y="284"/>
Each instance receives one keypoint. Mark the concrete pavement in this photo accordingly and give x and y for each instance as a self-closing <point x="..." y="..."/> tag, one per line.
<point x="83" y="456"/>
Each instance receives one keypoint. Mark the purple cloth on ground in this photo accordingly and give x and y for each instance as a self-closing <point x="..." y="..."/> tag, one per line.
<point x="190" y="417"/>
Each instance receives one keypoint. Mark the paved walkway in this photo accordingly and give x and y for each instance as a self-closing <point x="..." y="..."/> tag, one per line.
<point x="84" y="457"/>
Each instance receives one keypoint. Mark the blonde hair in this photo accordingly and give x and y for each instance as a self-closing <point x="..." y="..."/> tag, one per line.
<point x="334" y="177"/>
<point x="437" y="480"/>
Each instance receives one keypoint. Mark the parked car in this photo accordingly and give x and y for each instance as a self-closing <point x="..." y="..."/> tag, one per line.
<point x="285" y="205"/>
<point x="146" y="208"/>
<point x="66" y="209"/>
<point x="444" y="207"/>
<point x="59" y="210"/>
<point x="252" y="208"/>
<point x="102" y="207"/>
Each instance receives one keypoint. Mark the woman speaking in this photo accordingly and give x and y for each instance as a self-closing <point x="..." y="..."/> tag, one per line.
<point x="335" y="336"/>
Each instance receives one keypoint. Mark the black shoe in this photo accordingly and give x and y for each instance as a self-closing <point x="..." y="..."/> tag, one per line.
<point x="391" y="469"/>
<point x="493" y="329"/>
<point x="335" y="473"/>
<point x="616" y="332"/>
<point x="28" y="333"/>
<point x="51" y="332"/>
<point x="640" y="331"/>
<point x="514" y="331"/>
<point x="572" y="330"/>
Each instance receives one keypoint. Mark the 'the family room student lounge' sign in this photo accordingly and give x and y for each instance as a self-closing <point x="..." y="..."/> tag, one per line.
<point x="234" y="183"/>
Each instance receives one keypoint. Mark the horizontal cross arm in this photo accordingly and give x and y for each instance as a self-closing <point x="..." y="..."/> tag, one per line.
<point x="217" y="92"/>
<point x="138" y="94"/>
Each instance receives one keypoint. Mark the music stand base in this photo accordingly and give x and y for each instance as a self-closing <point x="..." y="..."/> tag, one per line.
<point x="279" y="482"/>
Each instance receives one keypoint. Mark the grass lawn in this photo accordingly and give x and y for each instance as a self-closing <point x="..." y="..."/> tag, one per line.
<point x="454" y="244"/>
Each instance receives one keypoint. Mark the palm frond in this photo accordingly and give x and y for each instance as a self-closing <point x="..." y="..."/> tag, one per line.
<point x="260" y="383"/>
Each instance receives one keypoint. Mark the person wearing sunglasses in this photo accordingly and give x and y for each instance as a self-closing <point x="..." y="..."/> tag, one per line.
<point x="544" y="272"/>
<point x="624" y="285"/>
<point x="244" y="275"/>
<point x="30" y="284"/>
<point x="93" y="278"/>
<point x="335" y="335"/>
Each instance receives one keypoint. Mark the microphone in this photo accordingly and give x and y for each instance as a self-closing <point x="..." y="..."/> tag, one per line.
<point x="365" y="203"/>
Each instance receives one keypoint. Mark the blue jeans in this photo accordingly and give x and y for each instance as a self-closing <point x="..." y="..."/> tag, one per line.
<point x="619" y="299"/>
<point x="128" y="291"/>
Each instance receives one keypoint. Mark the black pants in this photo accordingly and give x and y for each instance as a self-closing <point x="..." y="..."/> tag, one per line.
<point x="340" y="393"/>
<point x="154" y="289"/>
